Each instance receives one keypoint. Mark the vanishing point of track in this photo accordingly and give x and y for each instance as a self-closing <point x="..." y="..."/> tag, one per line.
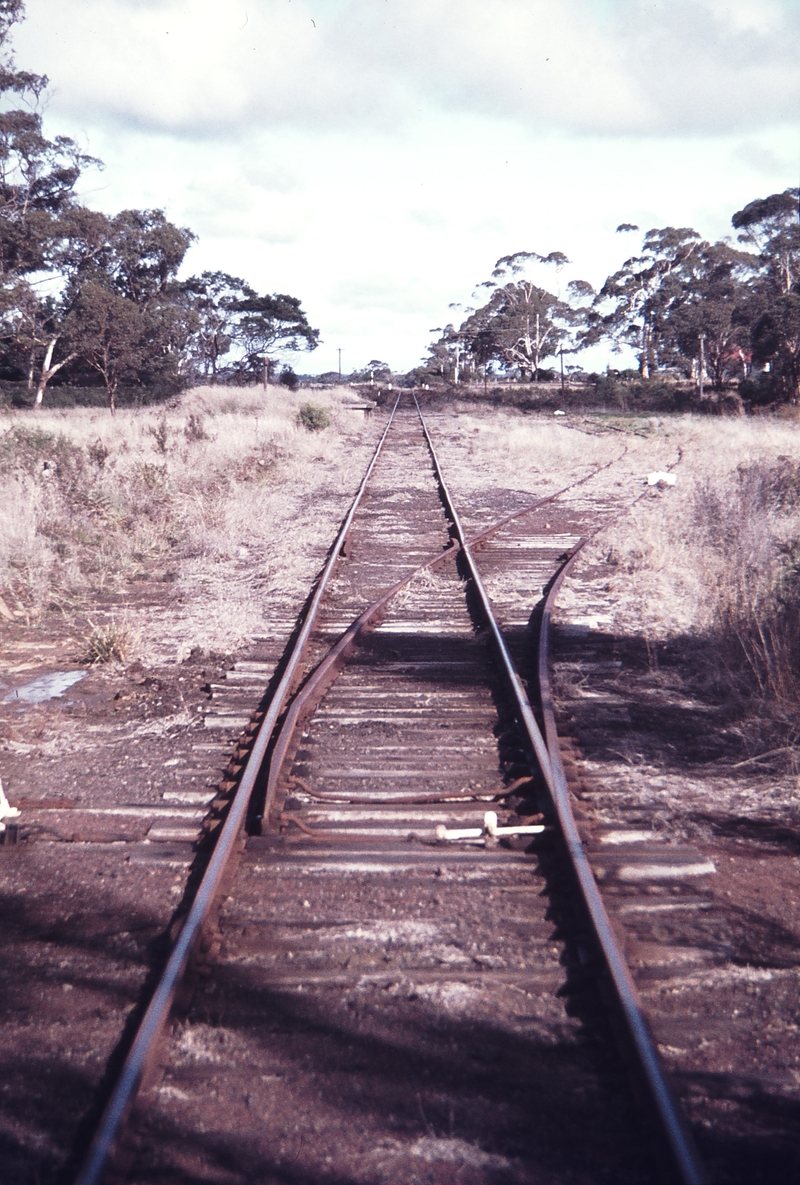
<point x="395" y="804"/>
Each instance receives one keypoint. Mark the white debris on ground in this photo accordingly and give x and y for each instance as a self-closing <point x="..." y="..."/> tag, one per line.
<point x="559" y="413"/>
<point x="660" y="479"/>
<point x="6" y="810"/>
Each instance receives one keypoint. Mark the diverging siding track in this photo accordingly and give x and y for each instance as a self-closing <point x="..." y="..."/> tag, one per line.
<point x="400" y="980"/>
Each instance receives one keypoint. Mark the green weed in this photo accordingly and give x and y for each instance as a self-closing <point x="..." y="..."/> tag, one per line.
<point x="313" y="417"/>
<point x="106" y="643"/>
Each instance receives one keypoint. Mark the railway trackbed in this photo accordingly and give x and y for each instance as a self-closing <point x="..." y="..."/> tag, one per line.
<point x="406" y="950"/>
<point x="388" y="910"/>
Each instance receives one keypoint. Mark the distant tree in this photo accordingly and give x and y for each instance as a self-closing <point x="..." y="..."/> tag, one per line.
<point x="374" y="371"/>
<point x="522" y="323"/>
<point x="707" y="319"/>
<point x="216" y="299"/>
<point x="772" y="226"/>
<point x="446" y="355"/>
<point x="169" y="325"/>
<point x="776" y="341"/>
<point x="289" y="379"/>
<point x="485" y="346"/>
<point x="133" y="257"/>
<point x="83" y="238"/>
<point x="37" y="183"/>
<point x="37" y="198"/>
<point x="269" y="323"/>
<point x="109" y="333"/>
<point x="639" y="295"/>
<point x="46" y="236"/>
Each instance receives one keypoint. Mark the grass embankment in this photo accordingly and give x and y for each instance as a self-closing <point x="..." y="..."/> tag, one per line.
<point x="212" y="495"/>
<point x="598" y="394"/>
<point x="713" y="566"/>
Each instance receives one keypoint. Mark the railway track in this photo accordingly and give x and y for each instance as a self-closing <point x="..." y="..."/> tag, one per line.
<point x="390" y="969"/>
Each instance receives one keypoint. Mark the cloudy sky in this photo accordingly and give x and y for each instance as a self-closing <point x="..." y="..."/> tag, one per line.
<point x="375" y="157"/>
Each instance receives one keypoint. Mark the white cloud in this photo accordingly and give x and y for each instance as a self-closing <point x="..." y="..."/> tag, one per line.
<point x="378" y="161"/>
<point x="707" y="67"/>
<point x="206" y="68"/>
<point x="378" y="291"/>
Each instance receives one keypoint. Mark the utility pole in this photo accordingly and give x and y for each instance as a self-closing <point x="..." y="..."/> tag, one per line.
<point x="340" y="365"/>
<point x="702" y="365"/>
<point x="561" y="352"/>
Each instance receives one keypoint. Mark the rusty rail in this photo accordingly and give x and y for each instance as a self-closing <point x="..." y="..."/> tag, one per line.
<point x="686" y="1167"/>
<point x="323" y="676"/>
<point x="686" y="1163"/>
<point x="158" y="1010"/>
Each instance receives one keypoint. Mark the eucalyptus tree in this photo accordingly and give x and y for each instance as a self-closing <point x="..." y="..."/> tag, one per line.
<point x="446" y="354"/>
<point x="772" y="226"/>
<point x="374" y="370"/>
<point x="522" y="323"/>
<point x="708" y="320"/>
<point x="57" y="258"/>
<point x="146" y="251"/>
<point x="775" y="341"/>
<point x="108" y="332"/>
<point x="215" y="298"/>
<point x="82" y="244"/>
<point x="37" y="198"/>
<point x="37" y="175"/>
<point x="116" y="274"/>
<point x="634" y="304"/>
<point x="269" y="323"/>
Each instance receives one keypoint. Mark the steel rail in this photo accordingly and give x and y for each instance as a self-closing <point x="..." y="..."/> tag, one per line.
<point x="679" y="1139"/>
<point x="323" y="676"/>
<point x="158" y="1010"/>
<point x="520" y="695"/>
<point x="685" y="1159"/>
<point x="157" y="1013"/>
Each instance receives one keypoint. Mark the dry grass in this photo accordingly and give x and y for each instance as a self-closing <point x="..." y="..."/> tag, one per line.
<point x="715" y="561"/>
<point x="516" y="451"/>
<point x="232" y="503"/>
<point x="711" y="565"/>
<point x="111" y="641"/>
<point x="211" y="495"/>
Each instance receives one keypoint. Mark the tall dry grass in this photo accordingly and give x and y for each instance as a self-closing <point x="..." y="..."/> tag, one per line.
<point x="212" y="494"/>
<point x="506" y="448"/>
<point x="711" y="565"/>
<point x="715" y="562"/>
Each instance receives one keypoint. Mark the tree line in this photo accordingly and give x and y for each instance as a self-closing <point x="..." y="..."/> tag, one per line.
<point x="96" y="299"/>
<point x="714" y="313"/>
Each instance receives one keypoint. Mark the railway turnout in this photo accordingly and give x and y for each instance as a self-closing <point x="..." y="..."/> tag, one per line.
<point x="397" y="964"/>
